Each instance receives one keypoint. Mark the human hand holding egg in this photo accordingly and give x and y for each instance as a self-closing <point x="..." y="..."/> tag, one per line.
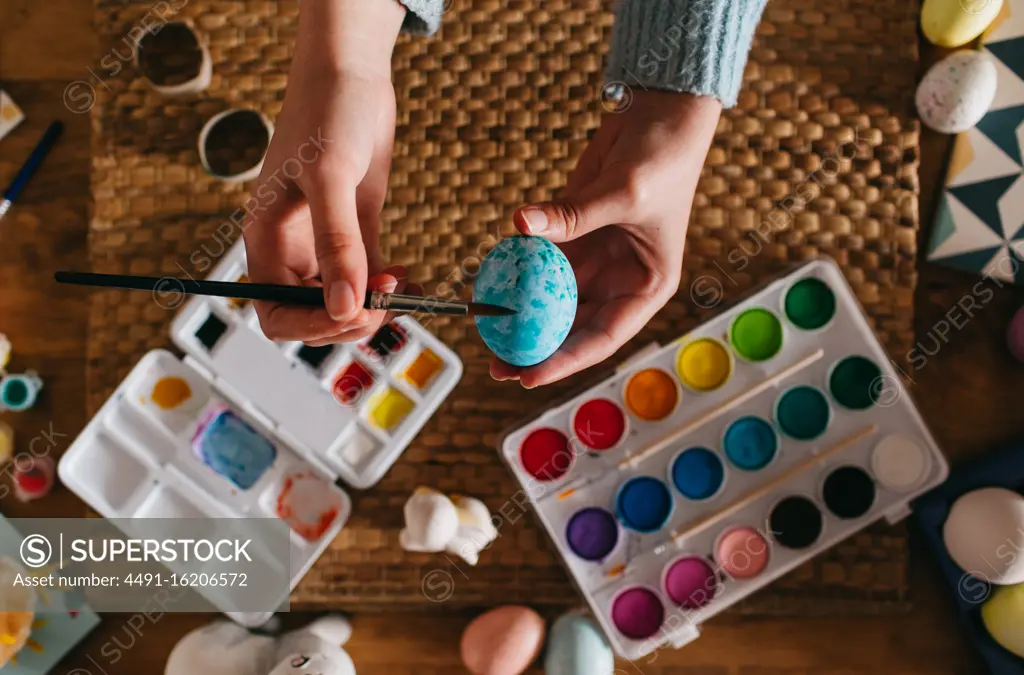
<point x="638" y="175"/>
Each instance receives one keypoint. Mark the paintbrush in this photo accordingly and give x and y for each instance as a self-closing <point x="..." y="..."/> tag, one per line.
<point x="30" y="166"/>
<point x="306" y="296"/>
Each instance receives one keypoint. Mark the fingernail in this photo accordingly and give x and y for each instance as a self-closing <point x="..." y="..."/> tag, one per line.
<point x="536" y="219"/>
<point x="341" y="300"/>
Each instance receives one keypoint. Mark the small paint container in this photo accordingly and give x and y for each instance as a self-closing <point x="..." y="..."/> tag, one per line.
<point x="309" y="504"/>
<point x="796" y="522"/>
<point x="599" y="424"/>
<point x="174" y="59"/>
<point x="19" y="392"/>
<point x="803" y="413"/>
<point x="848" y="492"/>
<point x="423" y="369"/>
<point x="6" y="443"/>
<point x="388" y="408"/>
<point x="855" y="382"/>
<point x="592" y="533"/>
<point x="210" y="331"/>
<point x="756" y="335"/>
<point x="314" y="357"/>
<point x="704" y="365"/>
<point x="5" y="351"/>
<point x="751" y="443"/>
<point x="388" y="341"/>
<point x="546" y="455"/>
<point x="809" y="305"/>
<point x="690" y="582"/>
<point x="353" y="383"/>
<point x="697" y="473"/>
<point x="644" y="504"/>
<point x="742" y="552"/>
<point x="637" y="612"/>
<point x="233" y="145"/>
<point x="651" y="394"/>
<point x="900" y="463"/>
<point x="232" y="448"/>
<point x="33" y="478"/>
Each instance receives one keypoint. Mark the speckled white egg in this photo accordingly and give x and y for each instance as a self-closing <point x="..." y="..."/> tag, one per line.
<point x="984" y="535"/>
<point x="957" y="91"/>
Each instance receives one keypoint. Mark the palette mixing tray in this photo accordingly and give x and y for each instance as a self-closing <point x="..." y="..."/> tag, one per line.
<point x="243" y="426"/>
<point x="708" y="468"/>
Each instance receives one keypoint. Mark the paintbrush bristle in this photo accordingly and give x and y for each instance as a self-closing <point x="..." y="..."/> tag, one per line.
<point x="483" y="309"/>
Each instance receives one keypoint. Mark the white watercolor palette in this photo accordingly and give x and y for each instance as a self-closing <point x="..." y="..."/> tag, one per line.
<point x="702" y="471"/>
<point x="168" y="444"/>
<point x="245" y="427"/>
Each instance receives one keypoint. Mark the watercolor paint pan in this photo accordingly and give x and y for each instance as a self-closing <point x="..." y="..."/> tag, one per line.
<point x="743" y="448"/>
<point x="1004" y="469"/>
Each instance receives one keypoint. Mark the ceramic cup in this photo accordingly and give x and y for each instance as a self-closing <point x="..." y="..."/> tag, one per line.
<point x="166" y="44"/>
<point x="19" y="392"/>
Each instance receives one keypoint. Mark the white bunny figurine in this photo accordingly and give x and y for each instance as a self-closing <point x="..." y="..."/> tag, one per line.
<point x="459" y="525"/>
<point x="226" y="648"/>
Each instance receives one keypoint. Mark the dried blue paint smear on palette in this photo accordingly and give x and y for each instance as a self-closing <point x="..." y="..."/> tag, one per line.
<point x="980" y="222"/>
<point x="61" y="618"/>
<point x="232" y="448"/>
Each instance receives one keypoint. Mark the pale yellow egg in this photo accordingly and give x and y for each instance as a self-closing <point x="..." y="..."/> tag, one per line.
<point x="954" y="23"/>
<point x="1003" y="616"/>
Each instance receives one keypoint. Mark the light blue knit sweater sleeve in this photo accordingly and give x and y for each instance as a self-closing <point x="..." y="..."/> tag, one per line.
<point x="695" y="46"/>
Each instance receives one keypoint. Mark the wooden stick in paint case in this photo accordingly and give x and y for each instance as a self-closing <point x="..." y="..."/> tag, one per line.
<point x="709" y="519"/>
<point x="739" y="399"/>
<point x="671" y="437"/>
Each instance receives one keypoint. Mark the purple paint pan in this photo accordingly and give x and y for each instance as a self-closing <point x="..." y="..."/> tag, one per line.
<point x="592" y="533"/>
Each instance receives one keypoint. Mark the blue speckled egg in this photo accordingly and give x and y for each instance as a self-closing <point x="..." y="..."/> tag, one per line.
<point x="577" y="647"/>
<point x="532" y="276"/>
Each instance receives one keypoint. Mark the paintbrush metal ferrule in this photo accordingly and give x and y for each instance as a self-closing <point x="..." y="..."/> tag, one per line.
<point x="396" y="302"/>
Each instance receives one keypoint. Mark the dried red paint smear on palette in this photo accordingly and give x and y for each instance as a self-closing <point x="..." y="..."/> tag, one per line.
<point x="308" y="504"/>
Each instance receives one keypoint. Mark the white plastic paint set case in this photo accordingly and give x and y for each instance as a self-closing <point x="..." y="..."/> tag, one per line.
<point x="246" y="427"/>
<point x="702" y="471"/>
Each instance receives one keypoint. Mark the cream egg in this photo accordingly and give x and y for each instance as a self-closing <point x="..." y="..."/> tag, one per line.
<point x="984" y="534"/>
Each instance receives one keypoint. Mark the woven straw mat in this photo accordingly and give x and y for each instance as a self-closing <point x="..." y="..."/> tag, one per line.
<point x="492" y="113"/>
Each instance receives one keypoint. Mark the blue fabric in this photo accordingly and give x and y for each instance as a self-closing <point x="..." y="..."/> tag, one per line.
<point x="693" y="46"/>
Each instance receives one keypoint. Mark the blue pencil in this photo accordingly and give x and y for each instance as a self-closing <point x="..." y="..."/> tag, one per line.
<point x="31" y="165"/>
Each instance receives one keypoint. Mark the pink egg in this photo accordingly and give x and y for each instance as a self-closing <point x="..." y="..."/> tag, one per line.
<point x="1015" y="335"/>
<point x="503" y="641"/>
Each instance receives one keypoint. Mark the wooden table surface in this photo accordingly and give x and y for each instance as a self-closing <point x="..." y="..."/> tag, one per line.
<point x="965" y="391"/>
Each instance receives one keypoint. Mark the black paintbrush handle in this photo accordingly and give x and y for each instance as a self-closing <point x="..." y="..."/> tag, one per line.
<point x="290" y="295"/>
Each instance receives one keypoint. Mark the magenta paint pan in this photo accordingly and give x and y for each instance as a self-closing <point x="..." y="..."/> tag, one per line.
<point x="690" y="582"/>
<point x="638" y="613"/>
